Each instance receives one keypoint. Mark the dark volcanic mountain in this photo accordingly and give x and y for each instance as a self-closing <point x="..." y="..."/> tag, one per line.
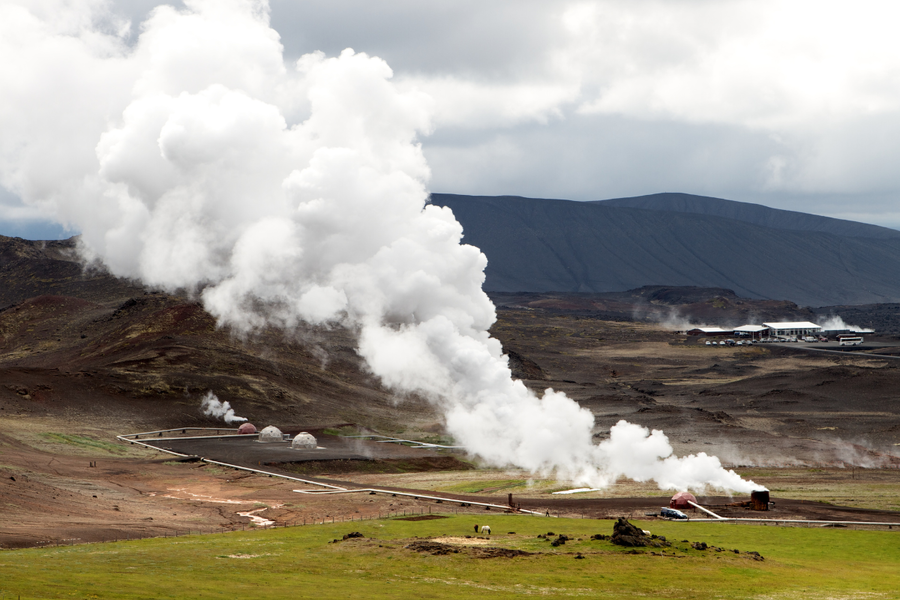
<point x="756" y="214"/>
<point x="537" y="245"/>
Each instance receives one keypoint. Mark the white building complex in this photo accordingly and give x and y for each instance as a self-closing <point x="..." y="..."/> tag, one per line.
<point x="795" y="328"/>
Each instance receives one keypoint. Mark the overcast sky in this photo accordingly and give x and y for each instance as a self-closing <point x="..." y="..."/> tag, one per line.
<point x="791" y="104"/>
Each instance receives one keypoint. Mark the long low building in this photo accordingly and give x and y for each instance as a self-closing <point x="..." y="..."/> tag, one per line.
<point x="752" y="331"/>
<point x="789" y="328"/>
<point x="709" y="331"/>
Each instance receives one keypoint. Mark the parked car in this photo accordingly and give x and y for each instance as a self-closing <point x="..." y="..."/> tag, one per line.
<point x="671" y="513"/>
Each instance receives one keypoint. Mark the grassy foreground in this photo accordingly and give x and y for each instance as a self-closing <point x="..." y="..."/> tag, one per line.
<point x="300" y="562"/>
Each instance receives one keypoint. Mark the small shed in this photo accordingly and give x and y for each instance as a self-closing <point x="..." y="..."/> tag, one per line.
<point x="681" y="499"/>
<point x="246" y="429"/>
<point x="304" y="441"/>
<point x="759" y="500"/>
<point x="270" y="434"/>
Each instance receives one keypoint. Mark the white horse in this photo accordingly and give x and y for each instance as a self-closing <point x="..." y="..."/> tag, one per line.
<point x="486" y="529"/>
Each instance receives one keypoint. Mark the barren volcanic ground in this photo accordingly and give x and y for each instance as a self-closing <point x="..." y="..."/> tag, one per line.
<point x="84" y="356"/>
<point x="777" y="405"/>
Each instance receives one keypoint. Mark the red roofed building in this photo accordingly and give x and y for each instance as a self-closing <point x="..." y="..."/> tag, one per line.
<point x="681" y="499"/>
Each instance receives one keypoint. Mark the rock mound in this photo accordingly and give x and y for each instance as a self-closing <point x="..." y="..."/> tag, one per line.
<point x="626" y="534"/>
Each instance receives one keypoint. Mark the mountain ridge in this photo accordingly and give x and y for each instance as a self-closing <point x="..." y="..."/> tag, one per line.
<point x="757" y="214"/>
<point x="544" y="245"/>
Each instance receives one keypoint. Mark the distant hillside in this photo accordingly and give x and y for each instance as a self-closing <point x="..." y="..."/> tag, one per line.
<point x="753" y="213"/>
<point x="536" y="245"/>
<point x="85" y="342"/>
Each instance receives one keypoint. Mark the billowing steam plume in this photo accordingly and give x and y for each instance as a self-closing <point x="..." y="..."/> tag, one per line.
<point x="836" y="323"/>
<point x="285" y="196"/>
<point x="212" y="407"/>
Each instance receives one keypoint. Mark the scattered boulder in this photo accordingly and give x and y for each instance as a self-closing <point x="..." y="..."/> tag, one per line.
<point x="353" y="534"/>
<point x="626" y="534"/>
<point x="699" y="546"/>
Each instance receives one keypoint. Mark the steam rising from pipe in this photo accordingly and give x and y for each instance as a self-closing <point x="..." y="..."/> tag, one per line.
<point x="284" y="196"/>
<point x="212" y="407"/>
<point x="836" y="323"/>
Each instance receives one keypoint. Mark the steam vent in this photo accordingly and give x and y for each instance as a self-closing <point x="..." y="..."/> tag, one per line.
<point x="270" y="434"/>
<point x="246" y="429"/>
<point x="304" y="441"/>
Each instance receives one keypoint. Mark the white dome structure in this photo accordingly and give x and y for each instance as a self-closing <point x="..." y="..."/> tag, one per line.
<point x="304" y="441"/>
<point x="270" y="434"/>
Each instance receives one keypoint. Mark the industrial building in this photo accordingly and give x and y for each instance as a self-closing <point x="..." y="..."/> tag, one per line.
<point x="793" y="328"/>
<point x="785" y="329"/>
<point x="755" y="332"/>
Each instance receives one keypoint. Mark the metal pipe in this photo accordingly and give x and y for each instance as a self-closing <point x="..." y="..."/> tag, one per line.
<point x="709" y="512"/>
<point x="123" y="439"/>
<point x="418" y="444"/>
<point x="776" y="521"/>
<point x="176" y="429"/>
<point x="411" y="495"/>
<point x="334" y="489"/>
<point x="307" y="481"/>
<point x="204" y="437"/>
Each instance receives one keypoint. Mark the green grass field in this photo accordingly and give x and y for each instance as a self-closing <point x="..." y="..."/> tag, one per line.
<point x="85" y="443"/>
<point x="301" y="562"/>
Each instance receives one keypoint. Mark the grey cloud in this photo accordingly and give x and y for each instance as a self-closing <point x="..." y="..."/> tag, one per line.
<point x="478" y="39"/>
<point x="596" y="157"/>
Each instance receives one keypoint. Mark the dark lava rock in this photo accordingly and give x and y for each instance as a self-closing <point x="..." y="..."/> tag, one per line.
<point x="433" y="548"/>
<point x="438" y="549"/>
<point x="498" y="553"/>
<point x="354" y="534"/>
<point x="599" y="536"/>
<point x="699" y="546"/>
<point x="626" y="534"/>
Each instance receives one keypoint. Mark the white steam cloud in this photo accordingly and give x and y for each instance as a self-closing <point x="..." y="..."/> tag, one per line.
<point x="212" y="407"/>
<point x="836" y="323"/>
<point x="196" y="159"/>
